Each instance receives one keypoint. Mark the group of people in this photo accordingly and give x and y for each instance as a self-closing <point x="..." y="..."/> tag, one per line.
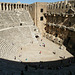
<point x="43" y="44"/>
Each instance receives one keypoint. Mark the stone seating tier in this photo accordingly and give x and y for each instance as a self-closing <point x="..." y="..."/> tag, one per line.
<point x="14" y="18"/>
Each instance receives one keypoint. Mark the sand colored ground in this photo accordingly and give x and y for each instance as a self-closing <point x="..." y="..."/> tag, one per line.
<point x="31" y="52"/>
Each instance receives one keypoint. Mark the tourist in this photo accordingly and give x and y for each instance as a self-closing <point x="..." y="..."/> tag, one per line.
<point x="40" y="52"/>
<point x="41" y="39"/>
<point x="19" y="55"/>
<point x="39" y="45"/>
<point x="60" y="47"/>
<point x="54" y="52"/>
<point x="26" y="59"/>
<point x="43" y="45"/>
<point x="14" y="57"/>
<point x="21" y="48"/>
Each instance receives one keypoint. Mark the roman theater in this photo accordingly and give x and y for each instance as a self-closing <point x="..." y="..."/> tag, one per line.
<point x="37" y="38"/>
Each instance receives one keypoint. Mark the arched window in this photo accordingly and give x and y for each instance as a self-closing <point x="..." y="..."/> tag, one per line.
<point x="41" y="10"/>
<point x="11" y="6"/>
<point x="2" y="6"/>
<point x="8" y="6"/>
<point x="56" y="6"/>
<point x="41" y="18"/>
<point x="5" y="6"/>
<point x="22" y="6"/>
<point x="66" y="6"/>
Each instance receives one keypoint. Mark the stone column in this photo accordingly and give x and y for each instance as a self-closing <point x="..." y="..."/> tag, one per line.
<point x="17" y="6"/>
<point x="3" y="6"/>
<point x="55" y="6"/>
<point x="66" y="1"/>
<point x="13" y="6"/>
<point x="0" y="6"/>
<point x="24" y="7"/>
<point x="10" y="7"/>
<point x="20" y="6"/>
<point x="61" y="5"/>
<point x="27" y="7"/>
<point x="7" y="7"/>
<point x="58" y="5"/>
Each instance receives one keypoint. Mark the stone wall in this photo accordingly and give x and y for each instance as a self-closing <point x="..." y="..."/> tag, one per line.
<point x="32" y="11"/>
<point x="60" y="23"/>
<point x="60" y="7"/>
<point x="62" y="19"/>
<point x="37" y="10"/>
<point x="61" y="35"/>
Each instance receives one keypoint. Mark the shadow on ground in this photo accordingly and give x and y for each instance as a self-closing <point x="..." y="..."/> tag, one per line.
<point x="66" y="66"/>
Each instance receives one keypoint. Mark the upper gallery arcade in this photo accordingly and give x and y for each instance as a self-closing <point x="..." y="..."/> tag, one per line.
<point x="13" y="6"/>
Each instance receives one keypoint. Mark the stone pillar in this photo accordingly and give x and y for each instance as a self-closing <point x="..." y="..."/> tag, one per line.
<point x="58" y="4"/>
<point x="3" y="6"/>
<point x="66" y="1"/>
<point x="52" y="6"/>
<point x="20" y="6"/>
<point x="17" y="6"/>
<point x="55" y="6"/>
<point x="10" y="6"/>
<point x="27" y="7"/>
<point x="24" y="7"/>
<point x="61" y="5"/>
<point x="0" y="6"/>
<point x="7" y="7"/>
<point x="13" y="7"/>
